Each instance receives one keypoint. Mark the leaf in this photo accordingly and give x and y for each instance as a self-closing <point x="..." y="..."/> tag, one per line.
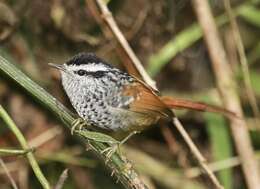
<point x="250" y="14"/>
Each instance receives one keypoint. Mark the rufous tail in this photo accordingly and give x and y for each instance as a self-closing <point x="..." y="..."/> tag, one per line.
<point x="174" y="103"/>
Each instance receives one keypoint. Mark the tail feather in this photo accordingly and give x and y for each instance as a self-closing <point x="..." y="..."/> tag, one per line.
<point x="198" y="106"/>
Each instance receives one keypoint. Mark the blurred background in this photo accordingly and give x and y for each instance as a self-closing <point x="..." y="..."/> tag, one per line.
<point x="166" y="37"/>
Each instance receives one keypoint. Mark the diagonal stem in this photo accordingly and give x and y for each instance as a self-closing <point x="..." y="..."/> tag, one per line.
<point x="108" y="18"/>
<point x="242" y="57"/>
<point x="202" y="161"/>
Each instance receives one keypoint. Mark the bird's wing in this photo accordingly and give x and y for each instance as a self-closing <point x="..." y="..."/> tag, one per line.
<point x="146" y="101"/>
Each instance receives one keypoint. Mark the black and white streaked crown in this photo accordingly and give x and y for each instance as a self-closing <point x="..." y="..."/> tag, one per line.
<point x="86" y="58"/>
<point x="94" y="66"/>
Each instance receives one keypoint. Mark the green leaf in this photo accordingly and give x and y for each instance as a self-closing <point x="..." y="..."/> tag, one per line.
<point x="221" y="145"/>
<point x="255" y="79"/>
<point x="250" y="14"/>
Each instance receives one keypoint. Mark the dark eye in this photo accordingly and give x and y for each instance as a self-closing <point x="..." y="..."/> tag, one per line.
<point x="81" y="72"/>
<point x="98" y="74"/>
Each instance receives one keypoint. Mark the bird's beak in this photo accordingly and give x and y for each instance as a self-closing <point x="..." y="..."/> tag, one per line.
<point x="57" y="66"/>
<point x="60" y="67"/>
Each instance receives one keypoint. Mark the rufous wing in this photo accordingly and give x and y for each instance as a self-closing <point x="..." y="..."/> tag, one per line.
<point x="146" y="101"/>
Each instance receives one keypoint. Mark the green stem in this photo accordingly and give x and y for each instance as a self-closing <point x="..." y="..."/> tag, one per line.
<point x="37" y="171"/>
<point x="11" y="152"/>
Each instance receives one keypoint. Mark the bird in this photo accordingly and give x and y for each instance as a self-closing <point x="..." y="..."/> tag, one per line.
<point x="110" y="99"/>
<point x="107" y="98"/>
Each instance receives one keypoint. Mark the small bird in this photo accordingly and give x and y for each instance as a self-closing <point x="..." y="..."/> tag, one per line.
<point x="110" y="99"/>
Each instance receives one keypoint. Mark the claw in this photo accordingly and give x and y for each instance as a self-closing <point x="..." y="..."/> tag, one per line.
<point x="110" y="151"/>
<point x="77" y="123"/>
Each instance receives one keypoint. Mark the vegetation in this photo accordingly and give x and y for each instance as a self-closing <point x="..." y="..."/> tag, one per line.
<point x="171" y="40"/>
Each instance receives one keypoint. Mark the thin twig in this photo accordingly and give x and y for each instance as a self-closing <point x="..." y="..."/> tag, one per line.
<point x="243" y="59"/>
<point x="8" y="174"/>
<point x="142" y="15"/>
<point x="121" y="39"/>
<point x="214" y="166"/>
<point x="12" y="152"/>
<point x="62" y="179"/>
<point x="169" y="138"/>
<point x="12" y="166"/>
<point x="91" y="4"/>
<point x="226" y="86"/>
<point x="40" y="140"/>
<point x="107" y="16"/>
<point x="108" y="33"/>
<point x="36" y="168"/>
<point x="218" y="165"/>
<point x="44" y="137"/>
<point x="195" y="151"/>
<point x="160" y="172"/>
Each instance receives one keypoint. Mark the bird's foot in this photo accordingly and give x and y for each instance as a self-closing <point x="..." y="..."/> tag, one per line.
<point x="109" y="151"/>
<point x="77" y="124"/>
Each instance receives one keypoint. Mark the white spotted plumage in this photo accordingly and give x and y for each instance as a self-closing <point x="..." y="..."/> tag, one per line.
<point x="98" y="100"/>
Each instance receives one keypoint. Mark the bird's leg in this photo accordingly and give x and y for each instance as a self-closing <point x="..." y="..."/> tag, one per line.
<point x="116" y="146"/>
<point x="77" y="123"/>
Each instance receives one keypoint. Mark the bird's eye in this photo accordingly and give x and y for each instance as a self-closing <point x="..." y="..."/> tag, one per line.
<point x="81" y="72"/>
<point x="98" y="74"/>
